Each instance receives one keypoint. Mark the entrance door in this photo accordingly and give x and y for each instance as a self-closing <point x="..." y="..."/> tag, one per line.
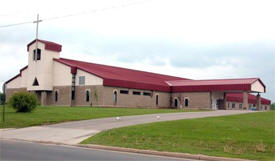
<point x="220" y="104"/>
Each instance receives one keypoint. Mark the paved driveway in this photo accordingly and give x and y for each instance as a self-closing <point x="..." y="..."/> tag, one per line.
<point x="76" y="131"/>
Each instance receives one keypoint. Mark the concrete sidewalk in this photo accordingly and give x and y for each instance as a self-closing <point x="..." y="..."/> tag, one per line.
<point x="76" y="131"/>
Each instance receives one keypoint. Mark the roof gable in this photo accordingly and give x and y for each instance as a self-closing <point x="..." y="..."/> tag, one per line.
<point x="18" y="75"/>
<point x="241" y="84"/>
<point x="48" y="45"/>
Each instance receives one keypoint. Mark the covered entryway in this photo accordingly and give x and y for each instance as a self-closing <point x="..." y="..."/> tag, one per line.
<point x="218" y="88"/>
<point x="42" y="97"/>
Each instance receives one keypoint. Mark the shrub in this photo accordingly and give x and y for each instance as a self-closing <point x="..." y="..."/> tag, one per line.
<point x="23" y="101"/>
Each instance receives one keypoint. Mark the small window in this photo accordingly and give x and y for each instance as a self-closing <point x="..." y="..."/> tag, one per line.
<point x="147" y="94"/>
<point x="233" y="105"/>
<point x="82" y="80"/>
<point x="115" y="97"/>
<point x="87" y="96"/>
<point x="38" y="55"/>
<point x="56" y="96"/>
<point x="240" y="106"/>
<point x="124" y="91"/>
<point x="157" y="100"/>
<point x="186" y="102"/>
<point x="136" y="93"/>
<point x="176" y="102"/>
<point x="265" y="107"/>
<point x="35" y="82"/>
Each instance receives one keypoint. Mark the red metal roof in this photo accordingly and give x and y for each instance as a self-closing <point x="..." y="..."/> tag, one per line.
<point x="48" y="45"/>
<point x="238" y="97"/>
<point x="18" y="75"/>
<point x="122" y="77"/>
<point x="129" y="78"/>
<point x="243" y="84"/>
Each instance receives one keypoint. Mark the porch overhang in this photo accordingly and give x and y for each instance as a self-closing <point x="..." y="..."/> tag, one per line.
<point x="251" y="85"/>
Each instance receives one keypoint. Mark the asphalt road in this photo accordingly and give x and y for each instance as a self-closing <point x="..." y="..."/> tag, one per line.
<point x="25" y="151"/>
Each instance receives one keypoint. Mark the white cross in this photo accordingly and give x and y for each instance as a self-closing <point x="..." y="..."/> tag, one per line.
<point x="36" y="42"/>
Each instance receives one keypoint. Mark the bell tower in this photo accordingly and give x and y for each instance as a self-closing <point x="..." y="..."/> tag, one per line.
<point x="40" y="64"/>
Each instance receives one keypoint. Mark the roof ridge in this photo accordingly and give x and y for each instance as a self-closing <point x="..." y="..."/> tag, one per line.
<point x="220" y="79"/>
<point x="146" y="72"/>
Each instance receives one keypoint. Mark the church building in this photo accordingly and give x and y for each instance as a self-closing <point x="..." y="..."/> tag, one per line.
<point x="64" y="82"/>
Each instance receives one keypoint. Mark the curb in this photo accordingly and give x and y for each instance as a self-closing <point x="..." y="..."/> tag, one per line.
<point x="159" y="153"/>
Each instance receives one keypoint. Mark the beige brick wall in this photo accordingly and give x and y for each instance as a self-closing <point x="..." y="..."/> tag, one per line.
<point x="96" y="95"/>
<point x="130" y="100"/>
<point x="11" y="91"/>
<point x="105" y="98"/>
<point x="199" y="100"/>
<point x="64" y="96"/>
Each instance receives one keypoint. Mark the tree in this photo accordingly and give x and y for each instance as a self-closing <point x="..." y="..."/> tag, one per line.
<point x="272" y="106"/>
<point x="23" y="101"/>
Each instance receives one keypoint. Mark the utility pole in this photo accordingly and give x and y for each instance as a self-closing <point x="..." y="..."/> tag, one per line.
<point x="4" y="101"/>
<point x="36" y="37"/>
<point x="35" y="58"/>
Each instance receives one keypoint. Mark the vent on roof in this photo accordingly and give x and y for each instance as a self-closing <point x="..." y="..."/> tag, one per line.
<point x="35" y="82"/>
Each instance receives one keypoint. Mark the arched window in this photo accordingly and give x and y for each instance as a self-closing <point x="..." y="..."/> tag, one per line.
<point x="186" y="102"/>
<point x="56" y="96"/>
<point x="176" y="102"/>
<point x="157" y="100"/>
<point x="115" y="97"/>
<point x="87" y="96"/>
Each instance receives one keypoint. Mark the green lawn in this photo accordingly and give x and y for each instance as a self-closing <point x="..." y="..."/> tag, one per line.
<point x="250" y="136"/>
<point x="49" y="115"/>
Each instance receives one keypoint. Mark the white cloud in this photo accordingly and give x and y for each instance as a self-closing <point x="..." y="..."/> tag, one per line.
<point x="208" y="39"/>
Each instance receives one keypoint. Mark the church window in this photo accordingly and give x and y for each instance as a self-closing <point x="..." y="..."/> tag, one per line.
<point x="37" y="56"/>
<point x="82" y="80"/>
<point x="87" y="96"/>
<point x="186" y="102"/>
<point x="147" y="94"/>
<point x="35" y="82"/>
<point x="176" y="102"/>
<point x="115" y="97"/>
<point x="124" y="91"/>
<point x="233" y="105"/>
<point x="157" y="100"/>
<point x="56" y="96"/>
<point x="136" y="93"/>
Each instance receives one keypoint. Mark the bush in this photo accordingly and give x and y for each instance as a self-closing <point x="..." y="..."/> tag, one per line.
<point x="23" y="101"/>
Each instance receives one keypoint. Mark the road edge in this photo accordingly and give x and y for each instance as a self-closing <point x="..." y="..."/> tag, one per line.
<point x="161" y="153"/>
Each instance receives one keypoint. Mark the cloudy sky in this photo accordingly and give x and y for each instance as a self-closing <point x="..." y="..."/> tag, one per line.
<point x="197" y="39"/>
